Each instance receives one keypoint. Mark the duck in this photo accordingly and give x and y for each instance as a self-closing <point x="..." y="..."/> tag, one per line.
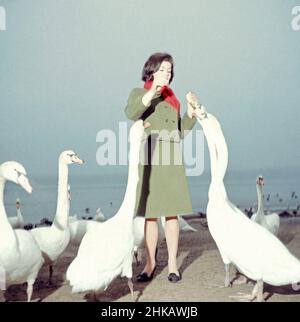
<point x="20" y="255"/>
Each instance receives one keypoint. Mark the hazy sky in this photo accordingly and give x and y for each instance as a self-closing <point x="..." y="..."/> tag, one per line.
<point x="67" y="68"/>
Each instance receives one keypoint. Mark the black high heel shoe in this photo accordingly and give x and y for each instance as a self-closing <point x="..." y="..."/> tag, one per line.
<point x="174" y="278"/>
<point x="144" y="277"/>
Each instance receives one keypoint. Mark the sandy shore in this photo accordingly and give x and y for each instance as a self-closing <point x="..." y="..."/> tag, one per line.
<point x="200" y="265"/>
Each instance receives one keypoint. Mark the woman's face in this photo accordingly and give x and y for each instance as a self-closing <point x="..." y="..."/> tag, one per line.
<point x="164" y="71"/>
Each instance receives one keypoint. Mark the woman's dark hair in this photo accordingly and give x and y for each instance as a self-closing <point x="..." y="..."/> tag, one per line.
<point x="153" y="63"/>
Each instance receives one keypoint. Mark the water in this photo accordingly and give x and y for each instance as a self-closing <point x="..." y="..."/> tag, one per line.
<point x="107" y="192"/>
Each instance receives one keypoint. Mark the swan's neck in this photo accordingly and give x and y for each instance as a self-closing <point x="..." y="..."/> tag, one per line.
<point x="217" y="147"/>
<point x="217" y="190"/>
<point x="128" y="205"/>
<point x="19" y="214"/>
<point x="63" y="205"/>
<point x="7" y="236"/>
<point x="260" y="204"/>
<point x="218" y="154"/>
<point x="3" y="217"/>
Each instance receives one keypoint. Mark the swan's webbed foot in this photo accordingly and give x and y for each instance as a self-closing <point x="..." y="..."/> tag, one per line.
<point x="242" y="297"/>
<point x="257" y="294"/>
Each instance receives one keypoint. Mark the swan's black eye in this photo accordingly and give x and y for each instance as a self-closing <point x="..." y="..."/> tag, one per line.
<point x="18" y="173"/>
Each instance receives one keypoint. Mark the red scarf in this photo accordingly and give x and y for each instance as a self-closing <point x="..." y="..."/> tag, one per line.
<point x="167" y="94"/>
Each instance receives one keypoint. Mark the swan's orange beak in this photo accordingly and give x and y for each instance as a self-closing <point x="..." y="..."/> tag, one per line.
<point x="24" y="183"/>
<point x="77" y="160"/>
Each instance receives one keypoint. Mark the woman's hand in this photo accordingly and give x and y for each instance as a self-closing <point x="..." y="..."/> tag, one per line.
<point x="192" y="99"/>
<point x="159" y="82"/>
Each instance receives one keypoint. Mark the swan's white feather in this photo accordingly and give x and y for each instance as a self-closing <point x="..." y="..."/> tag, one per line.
<point x="255" y="251"/>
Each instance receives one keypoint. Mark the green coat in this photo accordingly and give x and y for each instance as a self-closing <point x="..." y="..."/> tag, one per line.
<point x="162" y="189"/>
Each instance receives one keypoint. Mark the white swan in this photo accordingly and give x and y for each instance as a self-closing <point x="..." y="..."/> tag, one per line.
<point x="99" y="216"/>
<point x="20" y="255"/>
<point x="54" y="239"/>
<point x="17" y="221"/>
<point x="183" y="224"/>
<point x="271" y="221"/>
<point x="255" y="251"/>
<point x="75" y="216"/>
<point x="78" y="228"/>
<point x="106" y="250"/>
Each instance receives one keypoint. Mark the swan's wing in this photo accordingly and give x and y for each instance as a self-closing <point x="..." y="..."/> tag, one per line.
<point x="138" y="230"/>
<point x="78" y="229"/>
<point x="104" y="246"/>
<point x="254" y="250"/>
<point x="28" y="262"/>
<point x="42" y="236"/>
<point x="14" y="222"/>
<point x="273" y="221"/>
<point x="51" y="241"/>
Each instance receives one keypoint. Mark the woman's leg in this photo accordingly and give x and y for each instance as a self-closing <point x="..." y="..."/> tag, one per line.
<point x="151" y="236"/>
<point x="172" y="238"/>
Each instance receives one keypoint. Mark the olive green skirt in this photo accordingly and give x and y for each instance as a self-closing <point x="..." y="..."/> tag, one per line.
<point x="162" y="189"/>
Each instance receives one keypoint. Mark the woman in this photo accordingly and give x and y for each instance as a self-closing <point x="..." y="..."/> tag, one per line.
<point x="162" y="189"/>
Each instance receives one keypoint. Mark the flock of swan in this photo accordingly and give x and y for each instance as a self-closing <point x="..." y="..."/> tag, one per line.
<point x="106" y="246"/>
<point x="23" y="253"/>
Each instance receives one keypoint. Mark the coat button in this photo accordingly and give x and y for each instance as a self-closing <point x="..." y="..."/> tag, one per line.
<point x="167" y="121"/>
